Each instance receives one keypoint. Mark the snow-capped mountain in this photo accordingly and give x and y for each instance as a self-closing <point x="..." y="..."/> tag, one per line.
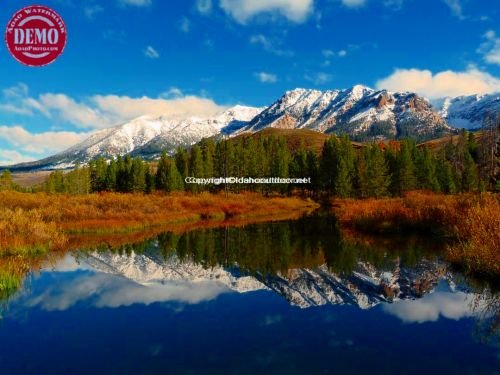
<point x="469" y="111"/>
<point x="358" y="111"/>
<point x="146" y="136"/>
<point x="365" y="287"/>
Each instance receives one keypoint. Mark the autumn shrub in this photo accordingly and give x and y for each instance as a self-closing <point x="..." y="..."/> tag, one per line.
<point x="478" y="248"/>
<point x="472" y="219"/>
<point x="25" y="231"/>
<point x="36" y="221"/>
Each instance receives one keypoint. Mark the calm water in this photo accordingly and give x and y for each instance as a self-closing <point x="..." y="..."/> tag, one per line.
<point x="286" y="298"/>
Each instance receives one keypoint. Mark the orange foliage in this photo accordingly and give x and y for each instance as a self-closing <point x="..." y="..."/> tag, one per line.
<point x="474" y="219"/>
<point x="28" y="220"/>
<point x="478" y="231"/>
<point x="25" y="231"/>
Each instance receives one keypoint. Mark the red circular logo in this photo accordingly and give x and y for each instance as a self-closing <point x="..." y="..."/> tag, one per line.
<point x="36" y="35"/>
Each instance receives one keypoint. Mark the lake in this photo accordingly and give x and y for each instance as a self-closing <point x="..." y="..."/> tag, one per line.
<point x="296" y="297"/>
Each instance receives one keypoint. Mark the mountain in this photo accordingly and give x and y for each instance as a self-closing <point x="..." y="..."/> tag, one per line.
<point x="146" y="136"/>
<point x="469" y="112"/>
<point x="365" y="287"/>
<point x="361" y="112"/>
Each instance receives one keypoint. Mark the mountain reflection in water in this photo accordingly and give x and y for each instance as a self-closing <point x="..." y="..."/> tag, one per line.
<point x="308" y="262"/>
<point x="283" y="297"/>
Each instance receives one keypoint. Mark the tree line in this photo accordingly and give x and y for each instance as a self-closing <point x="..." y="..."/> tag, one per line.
<point x="465" y="163"/>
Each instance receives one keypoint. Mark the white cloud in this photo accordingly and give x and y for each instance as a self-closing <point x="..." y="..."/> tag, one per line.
<point x="266" y="77"/>
<point x="104" y="111"/>
<point x="104" y="290"/>
<point x="16" y="91"/>
<point x="441" y="84"/>
<point x="68" y="110"/>
<point x="151" y="53"/>
<point x="137" y="3"/>
<point x="244" y="10"/>
<point x="91" y="10"/>
<point x="269" y="46"/>
<point x="328" y="53"/>
<point x="126" y="108"/>
<point x="11" y="157"/>
<point x="455" y="7"/>
<point x="38" y="143"/>
<point x="204" y="6"/>
<point x="429" y="308"/>
<point x="353" y="3"/>
<point x="490" y="49"/>
<point x="185" y="25"/>
<point x="319" y="78"/>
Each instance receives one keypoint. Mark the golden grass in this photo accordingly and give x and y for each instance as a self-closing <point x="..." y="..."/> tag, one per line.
<point x="473" y="219"/>
<point x="26" y="232"/>
<point x="478" y="248"/>
<point x="39" y="221"/>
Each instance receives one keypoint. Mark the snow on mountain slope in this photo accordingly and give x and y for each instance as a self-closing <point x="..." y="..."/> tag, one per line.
<point x="365" y="287"/>
<point x="361" y="112"/>
<point x="469" y="112"/>
<point x="189" y="131"/>
<point x="138" y="133"/>
<point x="145" y="136"/>
<point x="356" y="111"/>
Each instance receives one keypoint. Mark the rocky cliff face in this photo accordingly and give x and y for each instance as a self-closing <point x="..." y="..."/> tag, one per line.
<point x="358" y="111"/>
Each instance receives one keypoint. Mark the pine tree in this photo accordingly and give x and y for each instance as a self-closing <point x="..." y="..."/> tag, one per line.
<point x="182" y="162"/>
<point x="378" y="170"/>
<point x="137" y="175"/>
<point x="405" y="175"/>
<point x="328" y="164"/>
<point x="208" y="151"/>
<point x="168" y="177"/>
<point x="313" y="170"/>
<point x="362" y="177"/>
<point x="298" y="165"/>
<point x="161" y="172"/>
<point x="149" y="181"/>
<point x="195" y="167"/>
<point x="470" y="180"/>
<point x="175" y="181"/>
<point x="372" y="173"/>
<point x="444" y="175"/>
<point x="426" y="170"/>
<point x="110" y="178"/>
<point x="345" y="170"/>
<point x="280" y="162"/>
<point x="392" y="168"/>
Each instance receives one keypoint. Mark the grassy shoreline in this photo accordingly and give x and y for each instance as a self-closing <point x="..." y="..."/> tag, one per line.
<point x="36" y="223"/>
<point x="472" y="219"/>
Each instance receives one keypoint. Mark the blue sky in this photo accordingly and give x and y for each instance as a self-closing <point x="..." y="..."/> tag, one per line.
<point x="125" y="58"/>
